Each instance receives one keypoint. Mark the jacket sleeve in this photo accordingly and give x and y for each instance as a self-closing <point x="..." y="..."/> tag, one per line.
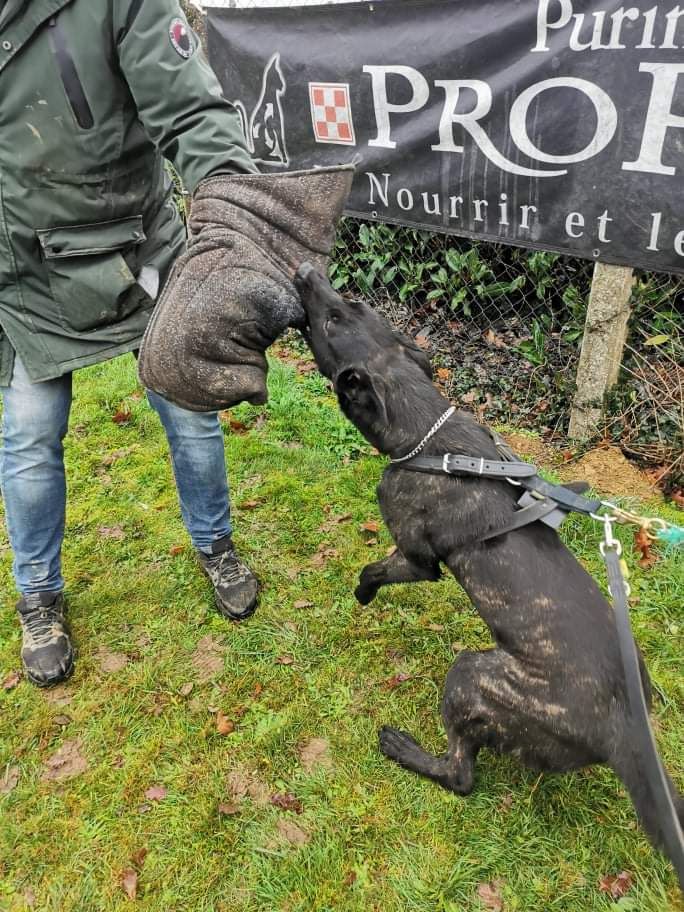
<point x="177" y="95"/>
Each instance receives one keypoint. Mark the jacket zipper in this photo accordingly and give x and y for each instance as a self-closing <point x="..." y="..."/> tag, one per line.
<point x="67" y="68"/>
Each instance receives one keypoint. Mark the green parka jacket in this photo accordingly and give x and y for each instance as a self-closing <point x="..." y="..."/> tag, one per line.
<point x="93" y="95"/>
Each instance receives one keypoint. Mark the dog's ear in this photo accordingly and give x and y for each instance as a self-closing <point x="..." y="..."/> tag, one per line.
<point x="362" y="398"/>
<point x="415" y="354"/>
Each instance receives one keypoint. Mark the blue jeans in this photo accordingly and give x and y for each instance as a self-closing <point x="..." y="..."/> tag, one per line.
<point x="35" y="420"/>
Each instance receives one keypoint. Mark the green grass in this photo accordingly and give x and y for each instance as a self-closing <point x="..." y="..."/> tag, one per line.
<point x="379" y="837"/>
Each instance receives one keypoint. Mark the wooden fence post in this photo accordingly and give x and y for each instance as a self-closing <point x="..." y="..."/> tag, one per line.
<point x="605" y="333"/>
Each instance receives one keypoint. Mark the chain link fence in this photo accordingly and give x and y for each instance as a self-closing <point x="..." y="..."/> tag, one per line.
<point x="504" y="325"/>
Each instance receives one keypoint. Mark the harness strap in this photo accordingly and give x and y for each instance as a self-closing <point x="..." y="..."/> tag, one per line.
<point x="539" y="509"/>
<point x="561" y="495"/>
<point x="469" y="465"/>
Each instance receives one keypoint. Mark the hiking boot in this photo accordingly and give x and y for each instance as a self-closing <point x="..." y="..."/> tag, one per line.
<point x="235" y="586"/>
<point x="46" y="650"/>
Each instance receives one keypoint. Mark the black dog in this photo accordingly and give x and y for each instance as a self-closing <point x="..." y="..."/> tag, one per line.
<point x="552" y="691"/>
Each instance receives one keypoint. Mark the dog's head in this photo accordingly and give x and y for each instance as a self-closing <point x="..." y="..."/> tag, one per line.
<point x="368" y="362"/>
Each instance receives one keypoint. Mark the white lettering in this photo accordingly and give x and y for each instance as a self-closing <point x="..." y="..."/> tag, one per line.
<point x="479" y="206"/>
<point x="544" y="24"/>
<point x="656" y="219"/>
<point x="574" y="220"/>
<point x="469" y="122"/>
<point x="679" y="243"/>
<point x="453" y="202"/>
<point x="405" y="194"/>
<point x="435" y="204"/>
<point x="606" y="116"/>
<point x="649" y="28"/>
<point x="595" y="44"/>
<point x="673" y="18"/>
<point x="525" y="210"/>
<point x="503" y="209"/>
<point x="618" y="18"/>
<point x="374" y="184"/>
<point x="603" y="221"/>
<point x="383" y="108"/>
<point x="658" y="118"/>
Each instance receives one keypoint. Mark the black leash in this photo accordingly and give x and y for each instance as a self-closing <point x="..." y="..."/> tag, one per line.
<point x="549" y="503"/>
<point x="671" y="831"/>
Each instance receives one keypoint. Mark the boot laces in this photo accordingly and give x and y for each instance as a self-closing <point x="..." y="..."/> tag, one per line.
<point x="39" y="624"/>
<point x="229" y="569"/>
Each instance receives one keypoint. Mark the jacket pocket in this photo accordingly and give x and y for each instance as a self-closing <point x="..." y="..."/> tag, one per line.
<point x="90" y="278"/>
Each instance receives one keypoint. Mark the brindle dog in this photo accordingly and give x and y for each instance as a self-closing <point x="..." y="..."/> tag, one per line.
<point x="552" y="691"/>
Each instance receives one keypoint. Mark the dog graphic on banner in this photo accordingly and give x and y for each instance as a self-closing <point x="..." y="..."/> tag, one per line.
<point x="265" y="129"/>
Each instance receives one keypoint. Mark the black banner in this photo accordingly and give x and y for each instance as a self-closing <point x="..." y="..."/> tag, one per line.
<point x="552" y="124"/>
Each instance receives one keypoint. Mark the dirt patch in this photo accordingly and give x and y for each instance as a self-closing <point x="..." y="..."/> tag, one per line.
<point x="208" y="658"/>
<point x="533" y="447"/>
<point x="607" y="471"/>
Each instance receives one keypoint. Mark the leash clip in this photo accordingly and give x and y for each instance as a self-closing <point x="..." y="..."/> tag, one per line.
<point x="609" y="541"/>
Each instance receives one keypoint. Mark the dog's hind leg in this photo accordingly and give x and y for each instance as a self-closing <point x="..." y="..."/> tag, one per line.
<point x="393" y="569"/>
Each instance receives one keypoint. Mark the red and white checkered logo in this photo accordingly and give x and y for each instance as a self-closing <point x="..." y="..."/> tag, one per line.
<point x="331" y="113"/>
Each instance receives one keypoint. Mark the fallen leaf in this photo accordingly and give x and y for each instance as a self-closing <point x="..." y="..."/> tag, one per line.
<point x="9" y="780"/>
<point x="110" y="458"/>
<point x="315" y="753"/>
<point x="138" y="857"/>
<point x="144" y="808"/>
<point x="62" y="720"/>
<point x="122" y="415"/>
<point x="422" y="341"/>
<point x="292" y="573"/>
<point x="290" y="831"/>
<point x="67" y="762"/>
<point x="156" y="793"/>
<point x="323" y="555"/>
<point x="175" y="550"/>
<point x="643" y="545"/>
<point x="186" y="689"/>
<point x="491" y="338"/>
<point x="129" y="883"/>
<point x="396" y="680"/>
<point x="208" y="658"/>
<point x="616" y="884"/>
<point x="11" y="680"/>
<point x="370" y="542"/>
<point x="29" y="898"/>
<point x="370" y="526"/>
<point x="443" y="374"/>
<point x="506" y="802"/>
<point x="438" y="628"/>
<point x="115" y="532"/>
<point x="258" y="690"/>
<point x="224" y="725"/>
<point x="242" y="783"/>
<point x="228" y="808"/>
<point x="250" y="504"/>
<point x="59" y="695"/>
<point x="284" y="660"/>
<point x="333" y="521"/>
<point x="305" y="367"/>
<point x="490" y="895"/>
<point x="286" y="801"/>
<point x="302" y="603"/>
<point x="110" y="662"/>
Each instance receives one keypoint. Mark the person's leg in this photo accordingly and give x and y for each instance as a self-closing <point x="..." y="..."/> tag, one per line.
<point x="34" y="423"/>
<point x="199" y="466"/>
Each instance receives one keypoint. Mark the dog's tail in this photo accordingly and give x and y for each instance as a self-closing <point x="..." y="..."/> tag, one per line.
<point x="661" y="833"/>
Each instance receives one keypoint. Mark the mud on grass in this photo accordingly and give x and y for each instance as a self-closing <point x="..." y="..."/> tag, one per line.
<point x="252" y="818"/>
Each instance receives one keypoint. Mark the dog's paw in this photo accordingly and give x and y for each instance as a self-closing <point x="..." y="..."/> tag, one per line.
<point x="396" y="744"/>
<point x="364" y="595"/>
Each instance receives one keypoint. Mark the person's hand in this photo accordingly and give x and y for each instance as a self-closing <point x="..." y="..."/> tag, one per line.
<point x="231" y="294"/>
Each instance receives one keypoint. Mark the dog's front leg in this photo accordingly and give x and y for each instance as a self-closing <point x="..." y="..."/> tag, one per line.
<point x="393" y="569"/>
